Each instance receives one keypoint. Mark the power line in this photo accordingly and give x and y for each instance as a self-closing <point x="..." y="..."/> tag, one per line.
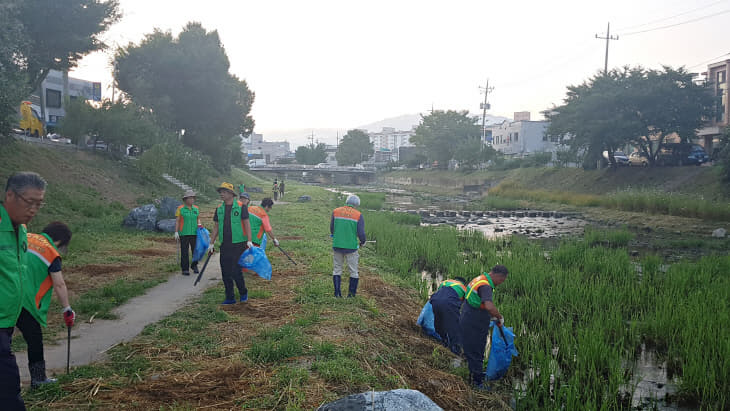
<point x="673" y="16"/>
<point x="677" y="24"/>
<point x="707" y="61"/>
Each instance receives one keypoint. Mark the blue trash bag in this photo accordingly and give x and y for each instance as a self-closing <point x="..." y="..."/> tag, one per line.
<point x="254" y="259"/>
<point x="201" y="244"/>
<point x="501" y="353"/>
<point x="426" y="321"/>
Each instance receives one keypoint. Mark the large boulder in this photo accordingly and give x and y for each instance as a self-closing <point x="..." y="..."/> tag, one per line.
<point x="395" y="400"/>
<point x="167" y="207"/>
<point x="167" y="226"/>
<point x="304" y="199"/>
<point x="142" y="218"/>
<point x="254" y="190"/>
<point x="719" y="233"/>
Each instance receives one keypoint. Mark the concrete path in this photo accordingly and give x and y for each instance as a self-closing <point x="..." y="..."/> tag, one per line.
<point x="89" y="342"/>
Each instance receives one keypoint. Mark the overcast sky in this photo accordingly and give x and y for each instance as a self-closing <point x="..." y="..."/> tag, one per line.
<point x="341" y="64"/>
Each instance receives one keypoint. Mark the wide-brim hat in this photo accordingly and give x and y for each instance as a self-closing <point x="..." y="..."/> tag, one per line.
<point x="225" y="186"/>
<point x="189" y="193"/>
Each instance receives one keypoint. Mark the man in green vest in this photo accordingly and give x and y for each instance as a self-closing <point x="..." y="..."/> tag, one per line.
<point x="446" y="304"/>
<point x="43" y="277"/>
<point x="476" y="314"/>
<point x="186" y="231"/>
<point x="24" y="195"/>
<point x="347" y="228"/>
<point x="235" y="239"/>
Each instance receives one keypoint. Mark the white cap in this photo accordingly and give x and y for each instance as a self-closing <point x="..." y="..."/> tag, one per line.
<point x="353" y="200"/>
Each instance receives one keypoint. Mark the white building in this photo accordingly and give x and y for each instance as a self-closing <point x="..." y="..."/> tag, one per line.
<point x="271" y="151"/>
<point x="49" y="98"/>
<point x="389" y="140"/>
<point x="520" y="138"/>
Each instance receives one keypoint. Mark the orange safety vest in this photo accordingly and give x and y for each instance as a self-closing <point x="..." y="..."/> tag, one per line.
<point x="38" y="283"/>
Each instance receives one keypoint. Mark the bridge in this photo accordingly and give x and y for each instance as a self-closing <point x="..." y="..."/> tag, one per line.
<point x="322" y="175"/>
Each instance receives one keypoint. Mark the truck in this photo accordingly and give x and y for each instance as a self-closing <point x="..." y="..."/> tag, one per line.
<point x="30" y="121"/>
<point x="257" y="162"/>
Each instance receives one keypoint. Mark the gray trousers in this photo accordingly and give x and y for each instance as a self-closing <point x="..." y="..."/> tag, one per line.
<point x="340" y="259"/>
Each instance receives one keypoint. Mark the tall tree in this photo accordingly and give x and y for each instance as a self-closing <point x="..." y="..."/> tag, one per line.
<point x="667" y="102"/>
<point x="354" y="148"/>
<point x="630" y="106"/>
<point x="185" y="81"/>
<point x="37" y="36"/>
<point x="311" y="154"/>
<point x="442" y="132"/>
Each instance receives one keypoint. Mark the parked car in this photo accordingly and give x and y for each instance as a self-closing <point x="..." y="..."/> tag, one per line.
<point x="322" y="165"/>
<point x="638" y="159"/>
<point x="619" y="156"/>
<point x="682" y="154"/>
<point x="257" y="162"/>
<point x="99" y="145"/>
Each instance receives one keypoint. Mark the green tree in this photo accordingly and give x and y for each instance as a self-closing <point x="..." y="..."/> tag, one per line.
<point x="311" y="154"/>
<point x="630" y="106"/>
<point x="187" y="84"/>
<point x="116" y="123"/>
<point x="723" y="154"/>
<point x="666" y="103"/>
<point x="472" y="152"/>
<point x="354" y="148"/>
<point x="442" y="132"/>
<point x="37" y="36"/>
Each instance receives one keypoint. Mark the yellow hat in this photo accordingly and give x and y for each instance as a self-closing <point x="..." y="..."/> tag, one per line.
<point x="225" y="186"/>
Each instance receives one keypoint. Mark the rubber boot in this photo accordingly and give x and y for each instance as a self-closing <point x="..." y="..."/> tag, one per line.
<point x="38" y="374"/>
<point x="353" y="287"/>
<point x="336" y="280"/>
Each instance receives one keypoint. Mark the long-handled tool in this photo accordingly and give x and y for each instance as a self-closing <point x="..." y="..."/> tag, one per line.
<point x="177" y="242"/>
<point x="287" y="255"/>
<point x="68" y="351"/>
<point x="202" y="270"/>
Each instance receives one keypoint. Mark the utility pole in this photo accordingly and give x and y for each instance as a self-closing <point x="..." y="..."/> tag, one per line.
<point x="608" y="38"/>
<point x="485" y="106"/>
<point x="311" y="140"/>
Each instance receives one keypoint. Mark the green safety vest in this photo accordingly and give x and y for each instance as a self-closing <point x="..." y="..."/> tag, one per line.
<point x="37" y="283"/>
<point x="472" y="293"/>
<point x="345" y="232"/>
<point x="13" y="249"/>
<point x="456" y="286"/>
<point x="236" y="223"/>
<point x="189" y="217"/>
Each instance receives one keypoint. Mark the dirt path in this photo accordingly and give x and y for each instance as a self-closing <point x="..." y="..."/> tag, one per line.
<point x="89" y="342"/>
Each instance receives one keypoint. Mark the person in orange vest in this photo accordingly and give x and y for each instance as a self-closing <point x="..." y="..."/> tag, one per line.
<point x="477" y="312"/>
<point x="347" y="228"/>
<point x="43" y="277"/>
<point x="186" y="230"/>
<point x="259" y="218"/>
<point x="446" y="304"/>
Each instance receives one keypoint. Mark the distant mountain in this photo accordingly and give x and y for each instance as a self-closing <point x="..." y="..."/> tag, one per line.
<point x="408" y="121"/>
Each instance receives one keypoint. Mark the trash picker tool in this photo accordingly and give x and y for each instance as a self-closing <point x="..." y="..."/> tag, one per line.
<point x="287" y="255"/>
<point x="202" y="270"/>
<point x="68" y="351"/>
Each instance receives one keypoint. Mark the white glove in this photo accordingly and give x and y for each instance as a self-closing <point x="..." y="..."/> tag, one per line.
<point x="249" y="244"/>
<point x="177" y="236"/>
<point x="211" y="249"/>
<point x="501" y="321"/>
<point x="276" y="242"/>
